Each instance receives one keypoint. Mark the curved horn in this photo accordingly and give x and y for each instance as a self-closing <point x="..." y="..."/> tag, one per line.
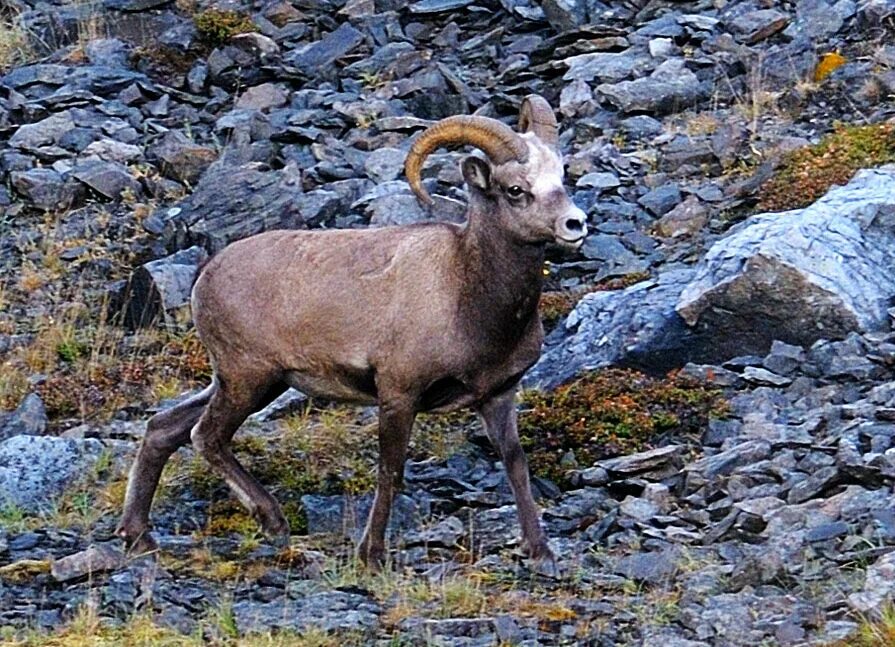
<point x="498" y="141"/>
<point x="537" y="116"/>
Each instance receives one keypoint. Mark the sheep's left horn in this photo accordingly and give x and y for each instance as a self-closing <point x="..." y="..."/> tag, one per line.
<point x="537" y="116"/>
<point x="498" y="141"/>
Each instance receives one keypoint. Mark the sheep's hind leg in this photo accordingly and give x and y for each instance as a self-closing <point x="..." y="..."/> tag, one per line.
<point x="499" y="419"/>
<point x="166" y="432"/>
<point x="211" y="438"/>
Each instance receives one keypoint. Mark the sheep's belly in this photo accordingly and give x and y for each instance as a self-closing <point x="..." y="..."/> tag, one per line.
<point x="344" y="387"/>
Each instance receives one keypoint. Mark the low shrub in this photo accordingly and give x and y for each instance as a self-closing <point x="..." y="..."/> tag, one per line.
<point x="216" y="26"/>
<point x="607" y="413"/>
<point x="808" y="173"/>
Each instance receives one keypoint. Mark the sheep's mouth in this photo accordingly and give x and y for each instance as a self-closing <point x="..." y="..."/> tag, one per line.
<point x="572" y="243"/>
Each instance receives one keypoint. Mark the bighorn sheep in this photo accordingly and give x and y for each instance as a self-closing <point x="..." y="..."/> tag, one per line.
<point x="426" y="317"/>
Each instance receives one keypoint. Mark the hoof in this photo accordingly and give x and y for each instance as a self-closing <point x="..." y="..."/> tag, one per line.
<point x="142" y="544"/>
<point x="279" y="540"/>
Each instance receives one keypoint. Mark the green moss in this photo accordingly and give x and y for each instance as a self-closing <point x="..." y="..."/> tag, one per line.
<point x="610" y="412"/>
<point x="808" y="173"/>
<point x="215" y="26"/>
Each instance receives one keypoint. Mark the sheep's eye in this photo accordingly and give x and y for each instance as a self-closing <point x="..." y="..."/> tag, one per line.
<point x="515" y="191"/>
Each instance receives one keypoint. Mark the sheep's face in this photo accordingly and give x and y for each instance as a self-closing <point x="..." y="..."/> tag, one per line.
<point x="528" y="200"/>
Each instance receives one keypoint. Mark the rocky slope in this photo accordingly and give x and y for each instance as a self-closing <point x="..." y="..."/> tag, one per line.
<point x="137" y="137"/>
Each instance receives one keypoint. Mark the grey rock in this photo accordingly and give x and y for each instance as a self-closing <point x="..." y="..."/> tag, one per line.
<point x="46" y="189"/>
<point x="827" y="531"/>
<point x="662" y="199"/>
<point x="726" y="462"/>
<point x="878" y="586"/>
<point x="34" y="470"/>
<point x="784" y="358"/>
<point x="381" y="59"/>
<point x="607" y="248"/>
<point x="289" y="402"/>
<point x="576" y="97"/>
<point x="817" y="20"/>
<point x="670" y="88"/>
<point x="232" y="202"/>
<point x="110" y="179"/>
<point x="874" y="12"/>
<point x="636" y="326"/>
<point x="645" y="461"/>
<point x="444" y="533"/>
<point x="755" y="26"/>
<point x="326" y="611"/>
<point x="815" y="484"/>
<point x="162" y="289"/>
<point x="181" y="159"/>
<point x="437" y="6"/>
<point x="114" y="151"/>
<point x="94" y="560"/>
<point x="606" y="67"/>
<point x="29" y="419"/>
<point x="564" y="15"/>
<point x="600" y="181"/>
<point x="819" y="272"/>
<point x="264" y="97"/>
<point x="44" y="132"/>
<point x="385" y="164"/>
<point x="324" y="52"/>
<point x="652" y="568"/>
<point x="686" y="219"/>
<point x="641" y="127"/>
<point x="348" y="514"/>
<point x="764" y="377"/>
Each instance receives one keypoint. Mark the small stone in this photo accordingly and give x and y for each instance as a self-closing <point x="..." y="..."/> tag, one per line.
<point x="29" y="419"/>
<point x="324" y="52"/>
<point x="662" y="199"/>
<point x="755" y="26"/>
<point x="815" y="484"/>
<point x="764" y="377"/>
<point x="264" y="97"/>
<point x="686" y="219"/>
<point x="437" y="6"/>
<point x="598" y="181"/>
<point x="385" y="164"/>
<point x="95" y="559"/>
<point x="180" y="158"/>
<point x="109" y="179"/>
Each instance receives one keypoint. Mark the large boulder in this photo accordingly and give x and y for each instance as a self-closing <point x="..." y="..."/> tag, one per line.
<point x="34" y="470"/>
<point x="233" y="202"/>
<point x="814" y="273"/>
<point x="637" y="326"/>
<point x="818" y="272"/>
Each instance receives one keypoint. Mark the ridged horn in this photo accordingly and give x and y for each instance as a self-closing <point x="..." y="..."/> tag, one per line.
<point x="537" y="116"/>
<point x="497" y="140"/>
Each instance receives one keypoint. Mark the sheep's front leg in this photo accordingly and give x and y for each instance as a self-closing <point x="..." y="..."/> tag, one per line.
<point x="395" y="422"/>
<point x="498" y="416"/>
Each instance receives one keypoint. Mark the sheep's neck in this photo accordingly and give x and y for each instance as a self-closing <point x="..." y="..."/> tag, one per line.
<point x="503" y="280"/>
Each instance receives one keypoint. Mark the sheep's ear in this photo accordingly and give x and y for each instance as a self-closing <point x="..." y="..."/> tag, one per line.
<point x="477" y="173"/>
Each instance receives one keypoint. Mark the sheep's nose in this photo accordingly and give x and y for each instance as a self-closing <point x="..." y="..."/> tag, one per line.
<point x="574" y="224"/>
<point x="571" y="227"/>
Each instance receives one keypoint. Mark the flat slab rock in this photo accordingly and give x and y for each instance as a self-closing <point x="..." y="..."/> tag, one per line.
<point x="327" y="611"/>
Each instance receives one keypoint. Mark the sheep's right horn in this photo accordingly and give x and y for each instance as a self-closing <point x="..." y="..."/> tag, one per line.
<point x="498" y="141"/>
<point x="537" y="116"/>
